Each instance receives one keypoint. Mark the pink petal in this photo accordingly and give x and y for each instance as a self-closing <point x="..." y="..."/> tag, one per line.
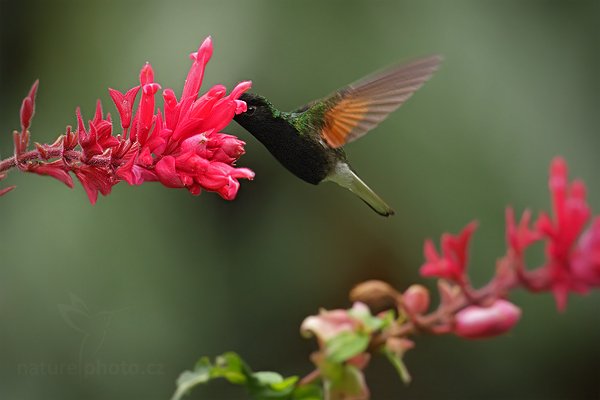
<point x="239" y="89"/>
<point x="167" y="174"/>
<point x="54" y="170"/>
<point x="146" y="75"/>
<point x="196" y="73"/>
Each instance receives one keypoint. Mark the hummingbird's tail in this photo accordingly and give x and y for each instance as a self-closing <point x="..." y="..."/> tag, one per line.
<point x="345" y="177"/>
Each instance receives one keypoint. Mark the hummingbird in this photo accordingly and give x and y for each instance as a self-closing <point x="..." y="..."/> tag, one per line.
<point x="309" y="141"/>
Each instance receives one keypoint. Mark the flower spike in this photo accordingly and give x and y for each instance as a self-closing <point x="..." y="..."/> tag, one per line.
<point x="153" y="146"/>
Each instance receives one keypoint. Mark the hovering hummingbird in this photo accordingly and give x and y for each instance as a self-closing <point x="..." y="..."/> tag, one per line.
<point x="308" y="141"/>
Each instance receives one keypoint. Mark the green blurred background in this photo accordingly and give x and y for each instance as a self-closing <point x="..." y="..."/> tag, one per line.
<point x="190" y="276"/>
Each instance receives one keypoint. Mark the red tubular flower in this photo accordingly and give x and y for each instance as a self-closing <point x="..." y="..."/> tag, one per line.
<point x="196" y="74"/>
<point x="475" y="322"/>
<point x="452" y="263"/>
<point x="570" y="214"/>
<point x="145" y="113"/>
<point x="182" y="148"/>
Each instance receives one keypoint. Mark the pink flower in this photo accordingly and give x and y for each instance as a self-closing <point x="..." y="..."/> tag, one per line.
<point x="475" y="322"/>
<point x="570" y="214"/>
<point x="181" y="147"/>
<point x="329" y="324"/>
<point x="452" y="263"/>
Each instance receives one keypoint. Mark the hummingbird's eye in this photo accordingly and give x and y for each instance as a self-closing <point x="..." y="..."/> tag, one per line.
<point x="250" y="110"/>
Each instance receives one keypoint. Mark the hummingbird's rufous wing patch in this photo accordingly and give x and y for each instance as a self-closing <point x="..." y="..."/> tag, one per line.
<point x="361" y="106"/>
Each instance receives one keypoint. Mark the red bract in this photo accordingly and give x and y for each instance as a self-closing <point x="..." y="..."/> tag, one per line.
<point x="452" y="263"/>
<point x="520" y="236"/>
<point x="181" y="148"/>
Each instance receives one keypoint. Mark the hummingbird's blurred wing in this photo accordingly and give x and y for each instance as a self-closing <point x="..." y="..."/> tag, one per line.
<point x="356" y="109"/>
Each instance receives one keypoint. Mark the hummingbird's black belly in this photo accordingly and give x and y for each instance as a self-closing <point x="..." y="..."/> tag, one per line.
<point x="302" y="154"/>
<point x="305" y="157"/>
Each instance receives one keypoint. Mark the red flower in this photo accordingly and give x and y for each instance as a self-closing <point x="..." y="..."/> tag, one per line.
<point x="570" y="214"/>
<point x="452" y="263"/>
<point x="182" y="148"/>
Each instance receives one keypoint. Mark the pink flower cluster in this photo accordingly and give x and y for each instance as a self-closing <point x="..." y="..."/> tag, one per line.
<point x="572" y="264"/>
<point x="572" y="261"/>
<point x="180" y="146"/>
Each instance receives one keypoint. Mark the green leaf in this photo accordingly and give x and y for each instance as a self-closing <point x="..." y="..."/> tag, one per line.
<point x="271" y="385"/>
<point x="346" y="345"/>
<point x="387" y="319"/>
<point x="267" y="377"/>
<point x="349" y="384"/>
<point x="285" y="384"/>
<point x="398" y="363"/>
<point x="231" y="367"/>
<point x="188" y="379"/>
<point x="370" y="322"/>
<point x="260" y="385"/>
<point x="308" y="392"/>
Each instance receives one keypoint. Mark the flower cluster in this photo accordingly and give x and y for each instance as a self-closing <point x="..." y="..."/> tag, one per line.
<point x="347" y="338"/>
<point x="180" y="146"/>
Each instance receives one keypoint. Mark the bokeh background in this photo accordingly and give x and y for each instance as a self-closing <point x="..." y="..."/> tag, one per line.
<point x="165" y="277"/>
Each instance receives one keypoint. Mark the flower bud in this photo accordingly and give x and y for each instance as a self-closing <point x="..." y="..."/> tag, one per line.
<point x="28" y="107"/>
<point x="415" y="299"/>
<point x="378" y="295"/>
<point x="475" y="322"/>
